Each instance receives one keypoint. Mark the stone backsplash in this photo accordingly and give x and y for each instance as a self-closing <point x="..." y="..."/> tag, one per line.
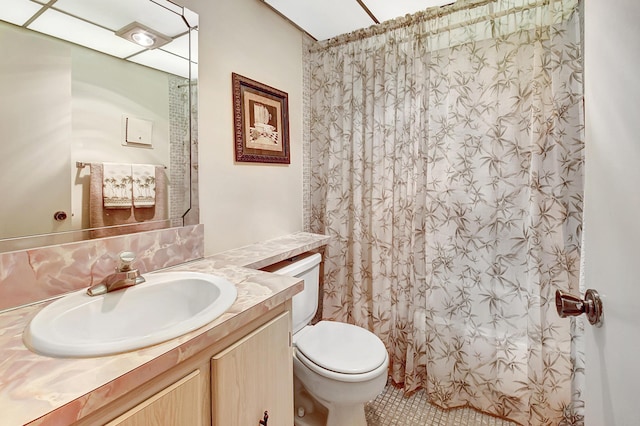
<point x="33" y="275"/>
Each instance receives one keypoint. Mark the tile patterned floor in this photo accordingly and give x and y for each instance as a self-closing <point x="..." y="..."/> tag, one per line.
<point x="390" y="408"/>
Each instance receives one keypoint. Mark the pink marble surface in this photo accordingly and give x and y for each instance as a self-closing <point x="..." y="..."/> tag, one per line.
<point x="266" y="253"/>
<point x="38" y="274"/>
<point x="38" y="390"/>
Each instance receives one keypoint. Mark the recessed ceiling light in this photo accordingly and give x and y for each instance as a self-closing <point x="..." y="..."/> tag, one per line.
<point x="143" y="36"/>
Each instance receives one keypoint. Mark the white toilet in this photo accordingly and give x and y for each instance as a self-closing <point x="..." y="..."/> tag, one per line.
<point x="337" y="367"/>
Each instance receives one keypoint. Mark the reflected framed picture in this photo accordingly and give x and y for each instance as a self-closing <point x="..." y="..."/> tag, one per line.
<point x="261" y="122"/>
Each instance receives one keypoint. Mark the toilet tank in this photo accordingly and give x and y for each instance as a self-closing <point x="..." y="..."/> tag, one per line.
<point x="305" y="304"/>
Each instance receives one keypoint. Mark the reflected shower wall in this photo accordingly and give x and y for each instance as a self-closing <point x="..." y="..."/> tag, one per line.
<point x="183" y="148"/>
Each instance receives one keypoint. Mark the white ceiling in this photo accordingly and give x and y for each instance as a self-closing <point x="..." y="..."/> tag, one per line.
<point x="324" y="19"/>
<point x="93" y="23"/>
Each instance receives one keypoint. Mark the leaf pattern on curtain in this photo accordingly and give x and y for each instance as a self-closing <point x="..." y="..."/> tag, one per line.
<point x="447" y="163"/>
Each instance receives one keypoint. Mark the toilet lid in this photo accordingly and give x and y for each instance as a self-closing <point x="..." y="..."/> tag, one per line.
<point x="341" y="347"/>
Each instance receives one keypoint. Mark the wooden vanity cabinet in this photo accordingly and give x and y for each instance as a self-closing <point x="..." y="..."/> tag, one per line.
<point x="231" y="382"/>
<point x="175" y="405"/>
<point x="254" y="376"/>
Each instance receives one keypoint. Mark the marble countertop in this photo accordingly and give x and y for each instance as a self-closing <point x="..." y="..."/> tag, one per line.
<point x="267" y="253"/>
<point x="39" y="390"/>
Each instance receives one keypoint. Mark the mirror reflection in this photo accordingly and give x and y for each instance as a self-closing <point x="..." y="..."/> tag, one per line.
<point x="96" y="121"/>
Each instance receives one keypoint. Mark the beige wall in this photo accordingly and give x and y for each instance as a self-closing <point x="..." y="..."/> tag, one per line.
<point x="35" y="130"/>
<point x="244" y="203"/>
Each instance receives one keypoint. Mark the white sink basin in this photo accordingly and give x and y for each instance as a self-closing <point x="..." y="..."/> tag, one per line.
<point x="167" y="305"/>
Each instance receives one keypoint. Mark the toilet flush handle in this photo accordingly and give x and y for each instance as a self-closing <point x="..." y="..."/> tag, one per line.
<point x="569" y="305"/>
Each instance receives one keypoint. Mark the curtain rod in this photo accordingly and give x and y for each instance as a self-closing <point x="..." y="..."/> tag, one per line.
<point x="424" y="16"/>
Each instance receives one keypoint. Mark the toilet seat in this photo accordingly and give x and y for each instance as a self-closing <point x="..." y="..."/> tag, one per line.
<point x="343" y="349"/>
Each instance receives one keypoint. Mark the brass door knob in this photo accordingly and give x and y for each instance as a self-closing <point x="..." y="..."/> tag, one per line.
<point x="569" y="305"/>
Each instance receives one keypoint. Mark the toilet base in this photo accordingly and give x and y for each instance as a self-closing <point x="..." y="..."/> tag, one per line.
<point x="337" y="416"/>
<point x="307" y="411"/>
<point x="322" y="413"/>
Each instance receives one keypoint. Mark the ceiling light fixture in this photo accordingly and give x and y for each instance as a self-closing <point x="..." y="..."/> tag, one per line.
<point x="143" y="36"/>
<point x="143" y="39"/>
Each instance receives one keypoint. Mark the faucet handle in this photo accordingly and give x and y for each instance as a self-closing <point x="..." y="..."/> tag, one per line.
<point x="126" y="259"/>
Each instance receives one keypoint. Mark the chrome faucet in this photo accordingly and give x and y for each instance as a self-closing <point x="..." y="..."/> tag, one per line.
<point x="124" y="276"/>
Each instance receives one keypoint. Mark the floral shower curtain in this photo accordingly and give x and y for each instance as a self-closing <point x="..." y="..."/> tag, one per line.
<point x="447" y="161"/>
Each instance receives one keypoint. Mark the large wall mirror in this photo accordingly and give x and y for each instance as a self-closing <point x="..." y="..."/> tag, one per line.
<point x="87" y="87"/>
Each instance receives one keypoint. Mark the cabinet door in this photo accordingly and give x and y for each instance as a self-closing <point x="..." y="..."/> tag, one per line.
<point x="179" y="404"/>
<point x="253" y="376"/>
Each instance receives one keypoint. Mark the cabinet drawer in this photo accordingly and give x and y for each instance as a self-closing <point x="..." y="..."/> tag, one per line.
<point x="178" y="404"/>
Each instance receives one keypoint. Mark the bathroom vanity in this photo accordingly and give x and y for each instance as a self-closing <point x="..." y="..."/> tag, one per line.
<point x="232" y="382"/>
<point x="228" y="372"/>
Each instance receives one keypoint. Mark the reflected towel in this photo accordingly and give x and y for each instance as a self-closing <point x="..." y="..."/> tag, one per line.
<point x="107" y="222"/>
<point x="144" y="185"/>
<point x="116" y="186"/>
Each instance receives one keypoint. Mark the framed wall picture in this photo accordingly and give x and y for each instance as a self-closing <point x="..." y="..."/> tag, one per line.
<point x="261" y="122"/>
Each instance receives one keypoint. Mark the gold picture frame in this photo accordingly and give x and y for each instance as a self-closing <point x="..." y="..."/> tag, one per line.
<point x="261" y="122"/>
